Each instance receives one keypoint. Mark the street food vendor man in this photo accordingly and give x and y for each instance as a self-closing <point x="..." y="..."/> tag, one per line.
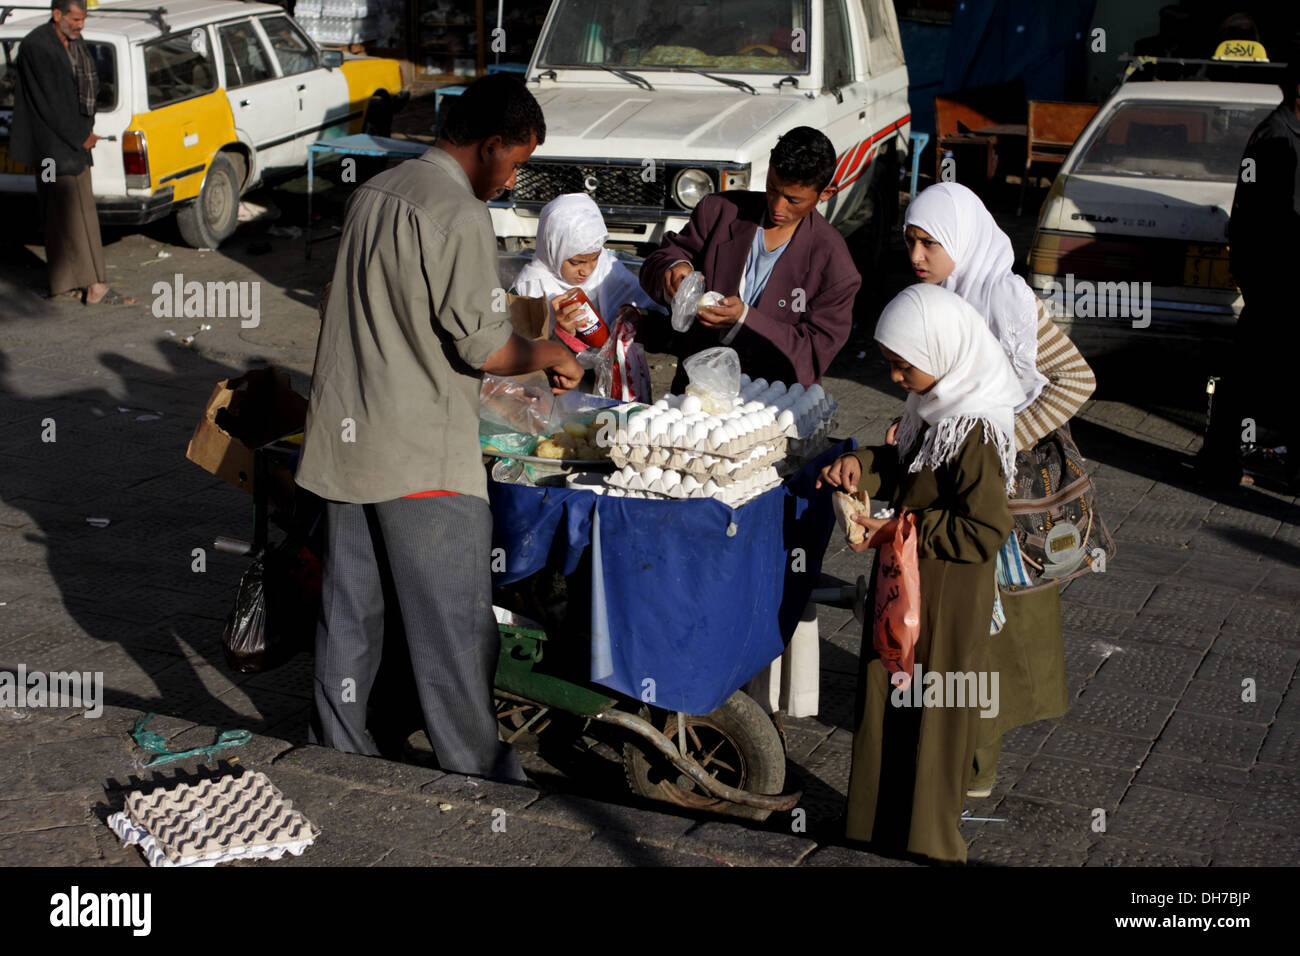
<point x="392" y="431"/>
<point x="786" y="273"/>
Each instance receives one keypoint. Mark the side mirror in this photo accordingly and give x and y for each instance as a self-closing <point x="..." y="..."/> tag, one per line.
<point x="331" y="58"/>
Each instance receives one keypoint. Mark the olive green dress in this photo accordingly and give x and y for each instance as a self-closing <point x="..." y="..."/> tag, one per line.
<point x="912" y="765"/>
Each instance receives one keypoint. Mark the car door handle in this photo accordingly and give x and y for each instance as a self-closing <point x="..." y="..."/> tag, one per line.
<point x="301" y="87"/>
<point x="862" y="115"/>
<point x="243" y="104"/>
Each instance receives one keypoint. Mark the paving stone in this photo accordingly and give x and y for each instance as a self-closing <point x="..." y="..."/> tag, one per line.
<point x="1084" y="653"/>
<point x="333" y="849"/>
<point x="523" y="843"/>
<point x="294" y="677"/>
<point x="1224" y="700"/>
<point x="56" y="766"/>
<point x="1162" y="817"/>
<point x="846" y="856"/>
<point x="1124" y="592"/>
<point x="457" y="789"/>
<point x="1027" y="738"/>
<point x="802" y="740"/>
<point x="358" y="770"/>
<point x="1282" y="744"/>
<point x="1196" y="777"/>
<point x="604" y="850"/>
<point x="1232" y="743"/>
<point x="1121" y="711"/>
<point x="1281" y="583"/>
<point x="1269" y="798"/>
<point x="1170" y="631"/>
<point x="1090" y="745"/>
<point x="742" y="846"/>
<point x="990" y="851"/>
<point x="1211" y="572"/>
<point x="1111" y="851"/>
<point x="47" y="813"/>
<point x="1035" y="822"/>
<point x="607" y="819"/>
<point x="1146" y="559"/>
<point x="1235" y="657"/>
<point x="1289" y="709"/>
<point x="1206" y="607"/>
<point x="1263" y="616"/>
<point x="1068" y="781"/>
<point x="1094" y="620"/>
<point x="1159" y="671"/>
<point x="1248" y="844"/>
<point x="63" y="846"/>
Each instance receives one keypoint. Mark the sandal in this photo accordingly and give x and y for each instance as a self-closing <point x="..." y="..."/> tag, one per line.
<point x="109" y="298"/>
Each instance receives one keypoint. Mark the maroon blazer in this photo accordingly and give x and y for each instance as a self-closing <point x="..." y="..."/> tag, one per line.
<point x="777" y="342"/>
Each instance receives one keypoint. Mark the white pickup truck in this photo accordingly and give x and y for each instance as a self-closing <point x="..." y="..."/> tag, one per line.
<point x="652" y="105"/>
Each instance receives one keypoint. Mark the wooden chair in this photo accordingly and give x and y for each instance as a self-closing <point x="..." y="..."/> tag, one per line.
<point x="1053" y="128"/>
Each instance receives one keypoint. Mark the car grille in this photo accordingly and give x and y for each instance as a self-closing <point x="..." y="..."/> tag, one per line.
<point x="540" y="182"/>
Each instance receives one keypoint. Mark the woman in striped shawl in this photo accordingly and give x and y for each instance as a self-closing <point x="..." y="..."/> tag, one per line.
<point x="953" y="241"/>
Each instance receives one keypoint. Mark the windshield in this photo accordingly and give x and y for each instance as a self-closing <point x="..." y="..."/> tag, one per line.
<point x="732" y="36"/>
<point x="1173" y="140"/>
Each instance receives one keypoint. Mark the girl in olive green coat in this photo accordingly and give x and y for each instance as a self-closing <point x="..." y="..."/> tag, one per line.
<point x="912" y="750"/>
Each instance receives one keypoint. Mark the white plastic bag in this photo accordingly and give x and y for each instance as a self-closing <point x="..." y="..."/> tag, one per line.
<point x="686" y="303"/>
<point x="715" y="378"/>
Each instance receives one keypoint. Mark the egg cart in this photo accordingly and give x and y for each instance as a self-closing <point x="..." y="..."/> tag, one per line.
<point x="726" y="759"/>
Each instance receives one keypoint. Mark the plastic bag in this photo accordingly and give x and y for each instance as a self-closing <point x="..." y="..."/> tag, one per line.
<point x="275" y="610"/>
<point x="715" y="377"/>
<point x="622" y="372"/>
<point x="686" y="302"/>
<point x="897" y="625"/>
<point x="513" y="405"/>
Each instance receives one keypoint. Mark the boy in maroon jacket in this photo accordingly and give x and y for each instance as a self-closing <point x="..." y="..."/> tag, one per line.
<point x="786" y="273"/>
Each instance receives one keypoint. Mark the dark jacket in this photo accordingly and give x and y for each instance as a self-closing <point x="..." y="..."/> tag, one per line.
<point x="777" y="342"/>
<point x="1264" y="232"/>
<point x="47" y="120"/>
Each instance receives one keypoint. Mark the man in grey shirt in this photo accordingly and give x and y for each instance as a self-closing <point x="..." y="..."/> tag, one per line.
<point x="414" y="317"/>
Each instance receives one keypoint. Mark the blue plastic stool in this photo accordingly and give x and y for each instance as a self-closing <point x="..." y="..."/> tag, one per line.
<point x="918" y="143"/>
<point x="508" y="68"/>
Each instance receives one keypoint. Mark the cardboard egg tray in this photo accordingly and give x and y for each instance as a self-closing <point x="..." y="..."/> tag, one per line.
<point x="731" y="495"/>
<point x="736" y="448"/>
<point x="704" y="467"/>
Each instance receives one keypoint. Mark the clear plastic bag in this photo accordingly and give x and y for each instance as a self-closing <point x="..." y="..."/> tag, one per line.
<point x="715" y="378"/>
<point x="514" y="406"/>
<point x="686" y="303"/>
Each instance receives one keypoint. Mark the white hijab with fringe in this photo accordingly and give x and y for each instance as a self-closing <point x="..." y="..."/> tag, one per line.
<point x="571" y="225"/>
<point x="983" y="257"/>
<point x="941" y="334"/>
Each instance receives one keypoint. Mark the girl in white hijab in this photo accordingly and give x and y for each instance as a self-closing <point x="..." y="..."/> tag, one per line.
<point x="912" y="766"/>
<point x="571" y="253"/>
<point x="975" y="262"/>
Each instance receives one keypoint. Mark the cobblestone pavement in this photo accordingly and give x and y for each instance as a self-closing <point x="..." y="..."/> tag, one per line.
<point x="1202" y="597"/>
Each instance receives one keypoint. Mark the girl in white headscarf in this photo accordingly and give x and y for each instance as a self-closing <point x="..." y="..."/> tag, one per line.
<point x="980" y="254"/>
<point x="912" y="764"/>
<point x="571" y="253"/>
<point x="953" y="241"/>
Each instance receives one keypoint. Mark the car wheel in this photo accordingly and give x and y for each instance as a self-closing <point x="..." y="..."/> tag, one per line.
<point x="213" y="215"/>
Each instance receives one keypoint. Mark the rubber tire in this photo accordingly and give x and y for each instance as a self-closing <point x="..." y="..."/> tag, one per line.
<point x="214" y="215"/>
<point x="749" y="729"/>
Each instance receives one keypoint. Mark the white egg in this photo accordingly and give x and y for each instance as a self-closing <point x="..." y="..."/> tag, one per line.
<point x="699" y="433"/>
<point x="710" y="488"/>
<point x="796" y="389"/>
<point x="691" y="404"/>
<point x="777" y="388"/>
<point x="690" y="483"/>
<point x="817" y="392"/>
<point x="750" y="407"/>
<point x="785" y="419"/>
<point x="718" y="436"/>
<point x="652" y="472"/>
<point x="677" y="432"/>
<point x="661" y="405"/>
<point x="656" y="485"/>
<point x="658" y="427"/>
<point x="675" y="415"/>
<point x="744" y="379"/>
<point x="671" y="479"/>
<point x="761" y="383"/>
<point x="638" y="425"/>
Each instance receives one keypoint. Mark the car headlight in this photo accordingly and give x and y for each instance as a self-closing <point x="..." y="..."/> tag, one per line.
<point x="692" y="185"/>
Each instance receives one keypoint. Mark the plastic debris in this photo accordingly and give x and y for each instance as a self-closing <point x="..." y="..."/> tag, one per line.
<point x="98" y="522"/>
<point x="147" y="418"/>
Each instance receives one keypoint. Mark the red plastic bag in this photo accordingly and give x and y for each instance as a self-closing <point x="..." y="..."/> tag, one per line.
<point x="897" y="625"/>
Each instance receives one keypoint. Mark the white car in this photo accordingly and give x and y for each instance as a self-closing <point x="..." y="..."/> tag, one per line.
<point x="650" y="106"/>
<point x="1134" y="232"/>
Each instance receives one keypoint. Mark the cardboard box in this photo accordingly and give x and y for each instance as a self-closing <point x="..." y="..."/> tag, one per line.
<point x="244" y="414"/>
<point x="531" y="318"/>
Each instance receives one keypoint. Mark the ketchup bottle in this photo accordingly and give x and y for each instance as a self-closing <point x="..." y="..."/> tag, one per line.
<point x="591" y="328"/>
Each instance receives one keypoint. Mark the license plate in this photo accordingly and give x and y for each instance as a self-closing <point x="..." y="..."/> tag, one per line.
<point x="1206" y="267"/>
<point x="8" y="165"/>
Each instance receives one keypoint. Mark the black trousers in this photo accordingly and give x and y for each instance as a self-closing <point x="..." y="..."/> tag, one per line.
<point x="432" y="556"/>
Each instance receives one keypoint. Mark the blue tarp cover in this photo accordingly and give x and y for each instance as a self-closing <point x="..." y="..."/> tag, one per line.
<point x="690" y="598"/>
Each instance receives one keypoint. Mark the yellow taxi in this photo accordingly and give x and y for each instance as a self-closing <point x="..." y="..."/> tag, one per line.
<point x="198" y="102"/>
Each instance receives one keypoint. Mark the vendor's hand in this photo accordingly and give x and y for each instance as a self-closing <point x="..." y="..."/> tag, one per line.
<point x="90" y="142"/>
<point x="844" y="472"/>
<point x="674" y="276"/>
<point x="566" y="318"/>
<point x="564" y="374"/>
<point x="723" y="315"/>
<point x="891" y="434"/>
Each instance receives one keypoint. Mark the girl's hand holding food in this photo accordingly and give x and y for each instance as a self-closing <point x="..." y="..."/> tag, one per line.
<point x="872" y="525"/>
<point x="567" y="317"/>
<point x="844" y="472"/>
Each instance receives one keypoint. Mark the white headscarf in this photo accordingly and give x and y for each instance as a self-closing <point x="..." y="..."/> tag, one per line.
<point x="982" y="252"/>
<point x="939" y="333"/>
<point x="571" y="225"/>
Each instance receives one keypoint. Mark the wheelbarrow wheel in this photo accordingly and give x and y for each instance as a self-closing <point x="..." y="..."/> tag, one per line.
<point x="737" y="744"/>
